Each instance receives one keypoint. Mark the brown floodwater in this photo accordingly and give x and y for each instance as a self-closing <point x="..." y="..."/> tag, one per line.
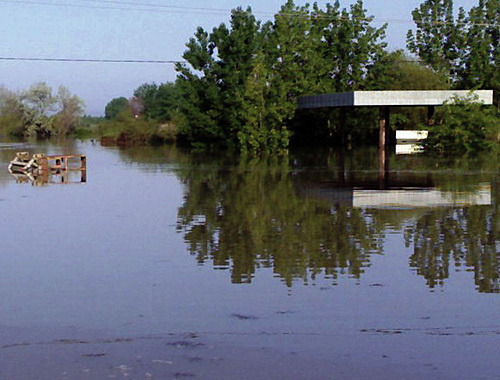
<point x="159" y="263"/>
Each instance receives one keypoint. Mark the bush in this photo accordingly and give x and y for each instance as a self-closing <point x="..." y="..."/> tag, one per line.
<point x="464" y="127"/>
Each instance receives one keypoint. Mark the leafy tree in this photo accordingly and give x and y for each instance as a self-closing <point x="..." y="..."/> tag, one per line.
<point x="146" y="95"/>
<point x="38" y="105"/>
<point x="11" y="113"/>
<point x="482" y="49"/>
<point x="397" y="71"/>
<point x="71" y="109"/>
<point x="166" y="102"/>
<point x="115" y="107"/>
<point x="241" y="82"/>
<point x="199" y="104"/>
<point x="465" y="127"/>
<point x="439" y="37"/>
<point x="158" y="102"/>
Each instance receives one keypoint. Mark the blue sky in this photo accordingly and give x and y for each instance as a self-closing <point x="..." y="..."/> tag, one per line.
<point x="127" y="30"/>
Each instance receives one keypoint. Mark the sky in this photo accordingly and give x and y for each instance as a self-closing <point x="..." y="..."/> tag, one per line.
<point x="133" y="30"/>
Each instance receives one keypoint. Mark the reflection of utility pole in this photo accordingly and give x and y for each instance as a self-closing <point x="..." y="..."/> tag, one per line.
<point x="341" y="166"/>
<point x="383" y="168"/>
<point x="342" y="112"/>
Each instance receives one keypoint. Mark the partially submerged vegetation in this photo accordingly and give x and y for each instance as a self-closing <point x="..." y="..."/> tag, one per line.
<point x="465" y="126"/>
<point x="238" y="86"/>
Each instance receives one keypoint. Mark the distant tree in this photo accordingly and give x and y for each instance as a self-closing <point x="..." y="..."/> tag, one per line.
<point x="146" y="95"/>
<point x="158" y="102"/>
<point x="398" y="71"/>
<point x="71" y="108"/>
<point x="38" y="105"/>
<point x="11" y="113"/>
<point x="115" y="107"/>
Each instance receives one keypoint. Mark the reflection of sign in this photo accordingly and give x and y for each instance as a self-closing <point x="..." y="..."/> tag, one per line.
<point x="420" y="198"/>
<point x="409" y="142"/>
<point x="409" y="148"/>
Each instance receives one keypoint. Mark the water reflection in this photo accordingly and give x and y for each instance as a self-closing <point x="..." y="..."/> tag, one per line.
<point x="44" y="178"/>
<point x="462" y="237"/>
<point x="303" y="221"/>
<point x="250" y="216"/>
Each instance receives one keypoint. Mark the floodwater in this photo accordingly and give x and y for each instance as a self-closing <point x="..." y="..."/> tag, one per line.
<point x="321" y="265"/>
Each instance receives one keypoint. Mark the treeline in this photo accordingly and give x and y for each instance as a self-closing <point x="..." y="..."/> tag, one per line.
<point x="146" y="117"/>
<point x="239" y="83"/>
<point x="465" y="49"/>
<point x="38" y="112"/>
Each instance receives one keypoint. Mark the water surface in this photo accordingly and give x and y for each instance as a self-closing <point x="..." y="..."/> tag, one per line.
<point x="331" y="264"/>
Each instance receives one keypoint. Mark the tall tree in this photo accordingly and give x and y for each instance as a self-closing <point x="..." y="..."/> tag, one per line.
<point x="242" y="81"/>
<point x="482" y="58"/>
<point x="71" y="108"/>
<point x="439" y="37"/>
<point x="38" y="104"/>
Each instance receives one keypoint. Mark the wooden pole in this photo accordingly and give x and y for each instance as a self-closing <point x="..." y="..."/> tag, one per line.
<point x="430" y="115"/>
<point x="383" y="130"/>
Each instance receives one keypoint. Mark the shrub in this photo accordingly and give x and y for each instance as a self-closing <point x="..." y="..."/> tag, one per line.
<point x="464" y="127"/>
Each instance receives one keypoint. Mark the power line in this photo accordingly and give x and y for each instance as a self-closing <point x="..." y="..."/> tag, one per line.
<point x="156" y="5"/>
<point x="90" y="60"/>
<point x="144" y="7"/>
<point x="164" y="8"/>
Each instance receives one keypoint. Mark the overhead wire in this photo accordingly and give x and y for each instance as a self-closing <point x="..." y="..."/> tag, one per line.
<point x="164" y="8"/>
<point x="167" y="8"/>
<point x="90" y="60"/>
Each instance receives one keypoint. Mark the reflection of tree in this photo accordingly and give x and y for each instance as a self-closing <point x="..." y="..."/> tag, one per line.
<point x="268" y="214"/>
<point x="468" y="236"/>
<point x="249" y="216"/>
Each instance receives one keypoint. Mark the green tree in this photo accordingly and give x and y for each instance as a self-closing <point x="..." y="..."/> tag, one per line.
<point x="38" y="106"/>
<point x="439" y="38"/>
<point x="481" y="61"/>
<point x="199" y="102"/>
<point x="397" y="71"/>
<point x="465" y="127"/>
<point x="146" y="95"/>
<point x="11" y="113"/>
<point x="242" y="81"/>
<point x="166" y="102"/>
<point x="71" y="108"/>
<point x="115" y="107"/>
<point x="158" y="102"/>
